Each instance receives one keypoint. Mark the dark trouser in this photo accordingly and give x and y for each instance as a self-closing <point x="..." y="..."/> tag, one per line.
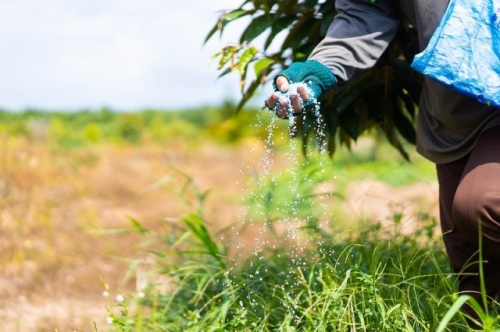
<point x="469" y="193"/>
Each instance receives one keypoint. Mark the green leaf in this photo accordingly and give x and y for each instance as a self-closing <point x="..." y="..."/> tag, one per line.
<point x="197" y="226"/>
<point x="257" y="3"/>
<point x="262" y="64"/>
<point x="210" y="34"/>
<point x="226" y="18"/>
<point x="392" y="137"/>
<point x="388" y="101"/>
<point x="454" y="309"/>
<point x="327" y="7"/>
<point x="405" y="127"/>
<point x="407" y="40"/>
<point x="235" y="14"/>
<point x="332" y="123"/>
<point x="255" y="28"/>
<point x="279" y="25"/>
<point x="309" y="4"/>
<point x="408" y="102"/>
<point x="226" y="54"/>
<point x="299" y="32"/>
<point x="407" y="78"/>
<point x="344" y="138"/>
<point x="137" y="225"/>
<point x="225" y="72"/>
<point x="245" y="58"/>
<point x="349" y="122"/>
<point x="354" y="91"/>
<point x="299" y="56"/>
<point x="326" y="22"/>
<point x="332" y="145"/>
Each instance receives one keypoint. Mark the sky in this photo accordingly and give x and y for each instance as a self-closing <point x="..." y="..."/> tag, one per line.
<point x="121" y="54"/>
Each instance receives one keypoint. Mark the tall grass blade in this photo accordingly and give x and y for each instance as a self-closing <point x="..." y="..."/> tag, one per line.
<point x="454" y="309"/>
<point x="197" y="226"/>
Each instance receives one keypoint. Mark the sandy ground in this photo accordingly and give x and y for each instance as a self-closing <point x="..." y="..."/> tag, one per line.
<point x="62" y="217"/>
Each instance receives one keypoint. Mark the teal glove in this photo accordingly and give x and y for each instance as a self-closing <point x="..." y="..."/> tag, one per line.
<point x="315" y="75"/>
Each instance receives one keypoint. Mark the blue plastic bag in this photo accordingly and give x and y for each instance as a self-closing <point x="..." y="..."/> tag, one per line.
<point x="464" y="51"/>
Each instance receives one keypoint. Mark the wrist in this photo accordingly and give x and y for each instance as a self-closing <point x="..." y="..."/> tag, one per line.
<point x="311" y="72"/>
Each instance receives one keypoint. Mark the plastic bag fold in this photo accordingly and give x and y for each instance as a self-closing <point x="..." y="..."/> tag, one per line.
<point x="464" y="51"/>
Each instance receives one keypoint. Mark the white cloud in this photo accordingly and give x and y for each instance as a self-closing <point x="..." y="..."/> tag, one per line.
<point x="125" y="54"/>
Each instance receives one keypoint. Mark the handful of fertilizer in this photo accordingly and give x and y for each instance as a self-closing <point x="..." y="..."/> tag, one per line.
<point x="315" y="77"/>
<point x="285" y="97"/>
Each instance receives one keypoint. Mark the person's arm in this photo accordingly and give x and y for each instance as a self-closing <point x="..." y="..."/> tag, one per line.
<point x="359" y="34"/>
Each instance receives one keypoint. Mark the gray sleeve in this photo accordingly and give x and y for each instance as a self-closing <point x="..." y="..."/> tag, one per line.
<point x="357" y="37"/>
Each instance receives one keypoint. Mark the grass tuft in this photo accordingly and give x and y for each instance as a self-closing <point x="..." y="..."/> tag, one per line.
<point x="372" y="279"/>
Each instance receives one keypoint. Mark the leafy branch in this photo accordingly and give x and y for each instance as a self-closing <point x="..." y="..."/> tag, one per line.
<point x="384" y="97"/>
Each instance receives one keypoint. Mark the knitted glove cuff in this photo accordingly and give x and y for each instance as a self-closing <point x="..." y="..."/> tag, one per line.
<point x="316" y="75"/>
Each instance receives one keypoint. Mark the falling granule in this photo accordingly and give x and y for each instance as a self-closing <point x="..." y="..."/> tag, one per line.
<point x="291" y="220"/>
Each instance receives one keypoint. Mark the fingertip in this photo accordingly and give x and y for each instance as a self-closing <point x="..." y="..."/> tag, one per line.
<point x="297" y="107"/>
<point x="303" y="93"/>
<point x="282" y="83"/>
<point x="271" y="101"/>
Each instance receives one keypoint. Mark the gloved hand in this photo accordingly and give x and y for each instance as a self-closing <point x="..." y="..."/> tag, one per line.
<point x="299" y="86"/>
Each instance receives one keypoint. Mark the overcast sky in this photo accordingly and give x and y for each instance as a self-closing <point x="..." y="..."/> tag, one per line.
<point x="123" y="54"/>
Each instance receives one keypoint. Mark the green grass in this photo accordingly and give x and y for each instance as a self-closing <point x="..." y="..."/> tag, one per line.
<point x="356" y="283"/>
<point x="373" y="278"/>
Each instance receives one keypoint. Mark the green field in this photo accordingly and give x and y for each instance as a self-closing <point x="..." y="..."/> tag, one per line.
<point x="192" y="221"/>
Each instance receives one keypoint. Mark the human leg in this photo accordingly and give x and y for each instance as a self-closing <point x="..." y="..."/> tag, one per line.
<point x="477" y="203"/>
<point x="469" y="191"/>
<point x="461" y="252"/>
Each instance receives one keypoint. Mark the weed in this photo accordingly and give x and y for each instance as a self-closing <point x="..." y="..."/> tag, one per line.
<point x="373" y="279"/>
